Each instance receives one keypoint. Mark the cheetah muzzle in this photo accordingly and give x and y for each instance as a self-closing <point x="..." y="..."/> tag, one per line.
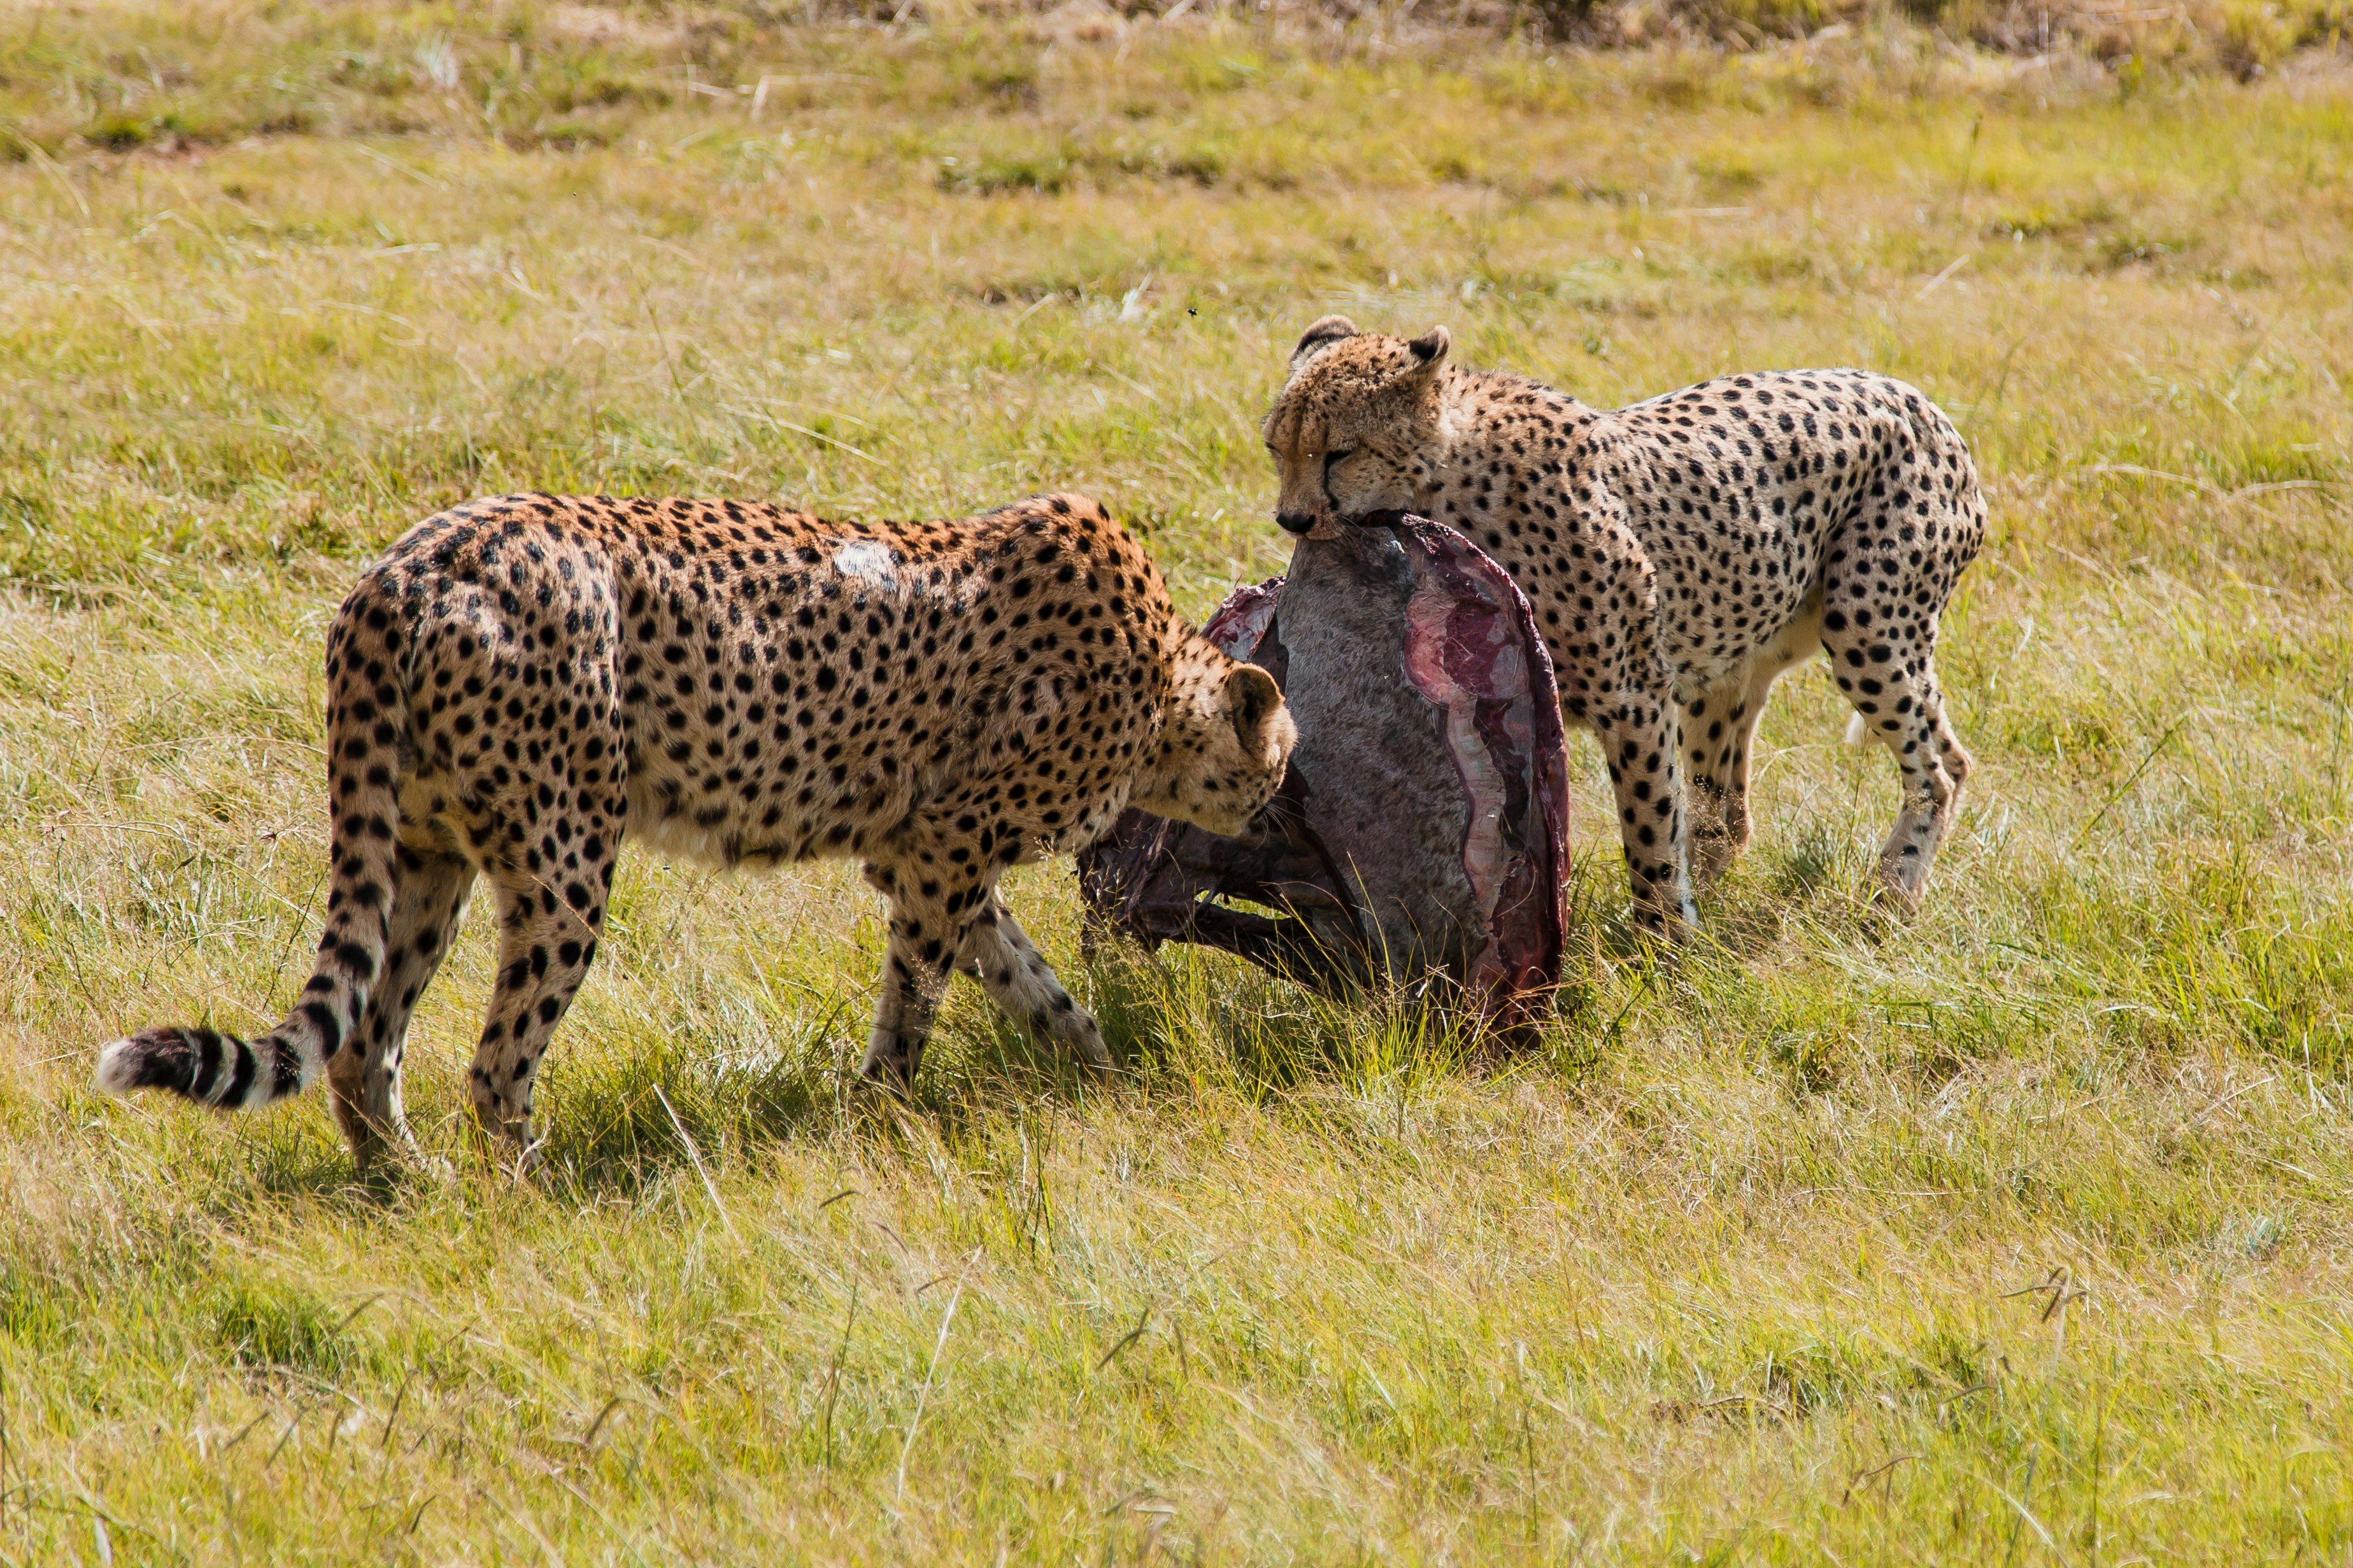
<point x="1680" y="555"/>
<point x="522" y="684"/>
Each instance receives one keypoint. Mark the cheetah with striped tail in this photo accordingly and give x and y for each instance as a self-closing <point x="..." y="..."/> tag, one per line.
<point x="1680" y="555"/>
<point x="522" y="684"/>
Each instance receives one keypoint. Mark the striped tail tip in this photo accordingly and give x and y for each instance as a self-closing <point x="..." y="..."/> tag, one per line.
<point x="154" y="1058"/>
<point x="202" y="1065"/>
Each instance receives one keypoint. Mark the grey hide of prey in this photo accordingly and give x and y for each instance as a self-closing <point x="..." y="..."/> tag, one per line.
<point x="1419" y="839"/>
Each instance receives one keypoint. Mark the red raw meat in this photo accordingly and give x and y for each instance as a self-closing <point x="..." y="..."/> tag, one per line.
<point x="1419" y="835"/>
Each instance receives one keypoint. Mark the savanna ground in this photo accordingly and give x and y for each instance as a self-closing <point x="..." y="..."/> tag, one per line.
<point x="2018" y="1233"/>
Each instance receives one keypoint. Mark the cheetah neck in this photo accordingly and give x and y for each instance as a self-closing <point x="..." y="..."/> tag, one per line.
<point x="1472" y="406"/>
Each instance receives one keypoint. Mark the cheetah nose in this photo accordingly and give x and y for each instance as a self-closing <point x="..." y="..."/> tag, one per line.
<point x="1294" y="522"/>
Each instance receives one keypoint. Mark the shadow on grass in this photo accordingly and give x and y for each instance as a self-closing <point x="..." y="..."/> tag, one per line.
<point x="1821" y="880"/>
<point x="643" y="1112"/>
<point x="1188" y="1021"/>
<point x="630" y="1116"/>
<point x="1181" y="1023"/>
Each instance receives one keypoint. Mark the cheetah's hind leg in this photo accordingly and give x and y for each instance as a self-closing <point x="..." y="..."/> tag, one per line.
<point x="546" y="943"/>
<point x="1901" y="707"/>
<point x="429" y="899"/>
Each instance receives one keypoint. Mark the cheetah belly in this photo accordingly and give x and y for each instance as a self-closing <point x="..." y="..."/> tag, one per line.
<point x="1740" y="594"/>
<point x="791" y="739"/>
<point x="1776" y="629"/>
<point x="756" y="786"/>
<point x="1740" y="537"/>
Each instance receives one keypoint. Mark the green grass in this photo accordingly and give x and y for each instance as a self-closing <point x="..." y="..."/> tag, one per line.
<point x="1741" y="1266"/>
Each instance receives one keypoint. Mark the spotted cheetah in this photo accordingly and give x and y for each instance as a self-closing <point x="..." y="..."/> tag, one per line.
<point x="1681" y="554"/>
<point x="520" y="684"/>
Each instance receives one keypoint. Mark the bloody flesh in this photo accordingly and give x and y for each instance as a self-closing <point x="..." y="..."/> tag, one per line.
<point x="1419" y="834"/>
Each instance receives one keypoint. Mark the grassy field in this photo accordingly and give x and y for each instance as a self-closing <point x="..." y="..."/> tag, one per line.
<point x="2016" y="1235"/>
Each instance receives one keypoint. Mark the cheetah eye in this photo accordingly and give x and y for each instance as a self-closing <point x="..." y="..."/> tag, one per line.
<point x="1332" y="458"/>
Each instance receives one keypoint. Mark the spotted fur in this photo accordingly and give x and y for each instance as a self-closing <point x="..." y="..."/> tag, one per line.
<point x="1680" y="555"/>
<point x="522" y="684"/>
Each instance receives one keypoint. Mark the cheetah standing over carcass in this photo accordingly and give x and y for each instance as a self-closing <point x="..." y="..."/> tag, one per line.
<point x="1680" y="555"/>
<point x="520" y="683"/>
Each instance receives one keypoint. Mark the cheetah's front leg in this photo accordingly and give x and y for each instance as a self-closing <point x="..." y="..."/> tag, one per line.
<point x="1715" y="728"/>
<point x="1719" y="737"/>
<point x="998" y="953"/>
<point x="928" y="918"/>
<point x="1639" y="735"/>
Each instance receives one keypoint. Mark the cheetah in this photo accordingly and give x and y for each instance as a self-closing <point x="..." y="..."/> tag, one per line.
<point x="521" y="684"/>
<point x="1680" y="555"/>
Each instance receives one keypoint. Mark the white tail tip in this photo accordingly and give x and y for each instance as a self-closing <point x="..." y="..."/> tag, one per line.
<point x="115" y="1071"/>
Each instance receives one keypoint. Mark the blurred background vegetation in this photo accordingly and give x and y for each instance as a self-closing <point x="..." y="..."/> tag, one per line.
<point x="566" y="75"/>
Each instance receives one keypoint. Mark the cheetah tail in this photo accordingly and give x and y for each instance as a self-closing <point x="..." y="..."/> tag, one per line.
<point x="366" y="725"/>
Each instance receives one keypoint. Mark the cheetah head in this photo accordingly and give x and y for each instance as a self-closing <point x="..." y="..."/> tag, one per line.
<point x="1224" y="744"/>
<point x="1357" y="427"/>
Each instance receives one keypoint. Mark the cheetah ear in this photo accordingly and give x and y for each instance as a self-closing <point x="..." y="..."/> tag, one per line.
<point x="1321" y="335"/>
<point x="1429" y="348"/>
<point x="1251" y="695"/>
